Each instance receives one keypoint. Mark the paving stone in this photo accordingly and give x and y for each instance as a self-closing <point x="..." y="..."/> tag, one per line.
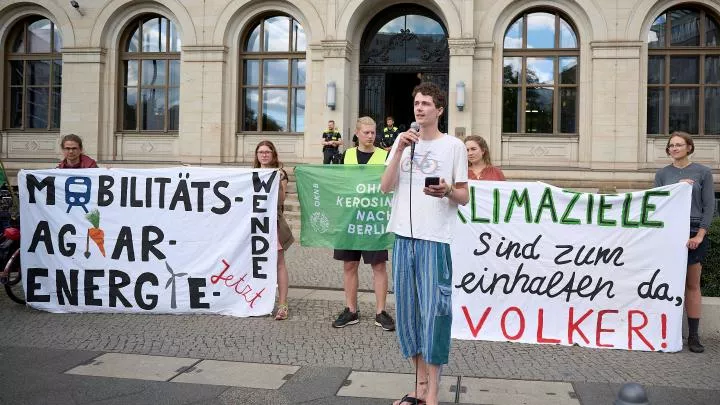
<point x="512" y="392"/>
<point x="603" y="393"/>
<point x="314" y="383"/>
<point x="154" y="368"/>
<point x="237" y="374"/>
<point x="326" y="295"/>
<point x="299" y="293"/>
<point x="308" y="340"/>
<point x="390" y="386"/>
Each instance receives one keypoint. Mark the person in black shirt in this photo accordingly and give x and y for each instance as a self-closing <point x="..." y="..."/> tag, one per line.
<point x="365" y="153"/>
<point x="332" y="139"/>
<point x="390" y="133"/>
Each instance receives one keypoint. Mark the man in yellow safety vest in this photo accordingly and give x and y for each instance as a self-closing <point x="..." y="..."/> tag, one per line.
<point x="390" y="133"/>
<point x="364" y="153"/>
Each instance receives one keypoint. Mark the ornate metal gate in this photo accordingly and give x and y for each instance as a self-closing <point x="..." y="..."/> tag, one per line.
<point x="404" y="41"/>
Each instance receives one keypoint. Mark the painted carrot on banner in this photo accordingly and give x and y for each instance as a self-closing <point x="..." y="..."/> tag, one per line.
<point x="95" y="233"/>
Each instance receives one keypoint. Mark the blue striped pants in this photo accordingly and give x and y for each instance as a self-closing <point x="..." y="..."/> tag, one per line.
<point x="422" y="272"/>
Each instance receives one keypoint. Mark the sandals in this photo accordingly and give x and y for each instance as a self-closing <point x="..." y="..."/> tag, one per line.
<point x="407" y="399"/>
<point x="282" y="312"/>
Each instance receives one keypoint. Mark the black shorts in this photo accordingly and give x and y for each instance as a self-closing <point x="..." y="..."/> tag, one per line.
<point x="698" y="254"/>
<point x="369" y="256"/>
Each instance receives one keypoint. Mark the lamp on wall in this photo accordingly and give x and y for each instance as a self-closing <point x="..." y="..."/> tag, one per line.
<point x="331" y="88"/>
<point x="460" y="97"/>
<point x="76" y="6"/>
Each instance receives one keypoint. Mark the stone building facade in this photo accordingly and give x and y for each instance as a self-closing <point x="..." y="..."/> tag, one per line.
<point x="574" y="92"/>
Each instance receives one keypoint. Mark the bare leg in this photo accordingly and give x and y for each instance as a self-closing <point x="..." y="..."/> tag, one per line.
<point x="433" y="387"/>
<point x="422" y="387"/>
<point x="350" y="284"/>
<point x="693" y="298"/>
<point x="380" y="284"/>
<point x="282" y="278"/>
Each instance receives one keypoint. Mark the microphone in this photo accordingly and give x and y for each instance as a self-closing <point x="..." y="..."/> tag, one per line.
<point x="415" y="127"/>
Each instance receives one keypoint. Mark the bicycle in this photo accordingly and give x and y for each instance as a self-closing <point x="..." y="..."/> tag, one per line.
<point x="11" y="274"/>
<point x="10" y="270"/>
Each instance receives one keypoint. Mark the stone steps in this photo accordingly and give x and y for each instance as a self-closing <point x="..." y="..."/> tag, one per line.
<point x="292" y="213"/>
<point x="292" y="204"/>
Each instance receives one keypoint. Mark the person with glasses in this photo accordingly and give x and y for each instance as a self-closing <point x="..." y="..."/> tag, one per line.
<point x="679" y="147"/>
<point x="266" y="157"/>
<point x="74" y="158"/>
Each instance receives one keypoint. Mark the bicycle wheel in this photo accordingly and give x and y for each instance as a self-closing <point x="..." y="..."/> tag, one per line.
<point x="14" y="286"/>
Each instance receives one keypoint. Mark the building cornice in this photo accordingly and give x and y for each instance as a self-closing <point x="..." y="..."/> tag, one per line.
<point x="336" y="49"/>
<point x="616" y="49"/>
<point x="83" y="55"/>
<point x="204" y="53"/>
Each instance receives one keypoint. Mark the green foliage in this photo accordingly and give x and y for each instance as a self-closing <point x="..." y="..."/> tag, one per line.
<point x="710" y="282"/>
<point x="94" y="218"/>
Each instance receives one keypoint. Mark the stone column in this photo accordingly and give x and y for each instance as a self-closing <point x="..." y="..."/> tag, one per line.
<point x="462" y="50"/>
<point x="82" y="89"/>
<point x="336" y="68"/>
<point x="615" y="141"/>
<point x="201" y="114"/>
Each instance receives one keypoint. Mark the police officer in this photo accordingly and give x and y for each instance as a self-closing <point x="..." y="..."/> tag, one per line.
<point x="390" y="133"/>
<point x="331" y="142"/>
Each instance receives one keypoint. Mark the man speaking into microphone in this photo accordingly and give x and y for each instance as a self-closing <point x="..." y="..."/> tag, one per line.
<point x="429" y="180"/>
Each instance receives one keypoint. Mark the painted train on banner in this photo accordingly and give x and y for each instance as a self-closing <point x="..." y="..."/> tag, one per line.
<point x="166" y="241"/>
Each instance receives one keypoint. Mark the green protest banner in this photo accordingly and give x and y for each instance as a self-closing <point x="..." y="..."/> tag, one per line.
<point x="342" y="207"/>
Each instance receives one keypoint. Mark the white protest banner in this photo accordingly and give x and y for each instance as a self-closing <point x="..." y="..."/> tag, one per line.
<point x="534" y="263"/>
<point x="175" y="240"/>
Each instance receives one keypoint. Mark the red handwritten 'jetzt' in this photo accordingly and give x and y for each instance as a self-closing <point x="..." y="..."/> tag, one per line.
<point x="246" y="290"/>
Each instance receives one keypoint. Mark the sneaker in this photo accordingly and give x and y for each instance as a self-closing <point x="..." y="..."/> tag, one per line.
<point x="346" y="318"/>
<point x="694" y="344"/>
<point x="384" y="321"/>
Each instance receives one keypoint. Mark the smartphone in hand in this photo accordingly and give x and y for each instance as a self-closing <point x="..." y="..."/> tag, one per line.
<point x="432" y="181"/>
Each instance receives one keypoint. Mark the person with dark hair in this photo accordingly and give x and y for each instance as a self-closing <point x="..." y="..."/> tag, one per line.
<point x="422" y="219"/>
<point x="74" y="158"/>
<point x="332" y="139"/>
<point x="365" y="153"/>
<point x="266" y="156"/>
<point x="480" y="165"/>
<point x="679" y="147"/>
<point x="390" y="133"/>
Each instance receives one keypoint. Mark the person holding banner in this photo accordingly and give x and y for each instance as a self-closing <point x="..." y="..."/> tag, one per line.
<point x="364" y="153"/>
<point x="74" y="158"/>
<point x="479" y="163"/>
<point x="266" y="157"/>
<point x="429" y="180"/>
<point x="679" y="147"/>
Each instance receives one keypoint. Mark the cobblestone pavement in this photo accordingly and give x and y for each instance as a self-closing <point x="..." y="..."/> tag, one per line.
<point x="308" y="340"/>
<point x="315" y="268"/>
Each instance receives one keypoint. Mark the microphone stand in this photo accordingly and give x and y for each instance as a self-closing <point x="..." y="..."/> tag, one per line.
<point x="414" y="267"/>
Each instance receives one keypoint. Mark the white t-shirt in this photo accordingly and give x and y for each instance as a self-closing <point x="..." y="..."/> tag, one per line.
<point x="432" y="217"/>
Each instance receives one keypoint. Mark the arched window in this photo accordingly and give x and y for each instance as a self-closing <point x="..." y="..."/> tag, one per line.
<point x="683" y="73"/>
<point x="34" y="64"/>
<point x="273" y="76"/>
<point x="150" y="76"/>
<point x="540" y="75"/>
